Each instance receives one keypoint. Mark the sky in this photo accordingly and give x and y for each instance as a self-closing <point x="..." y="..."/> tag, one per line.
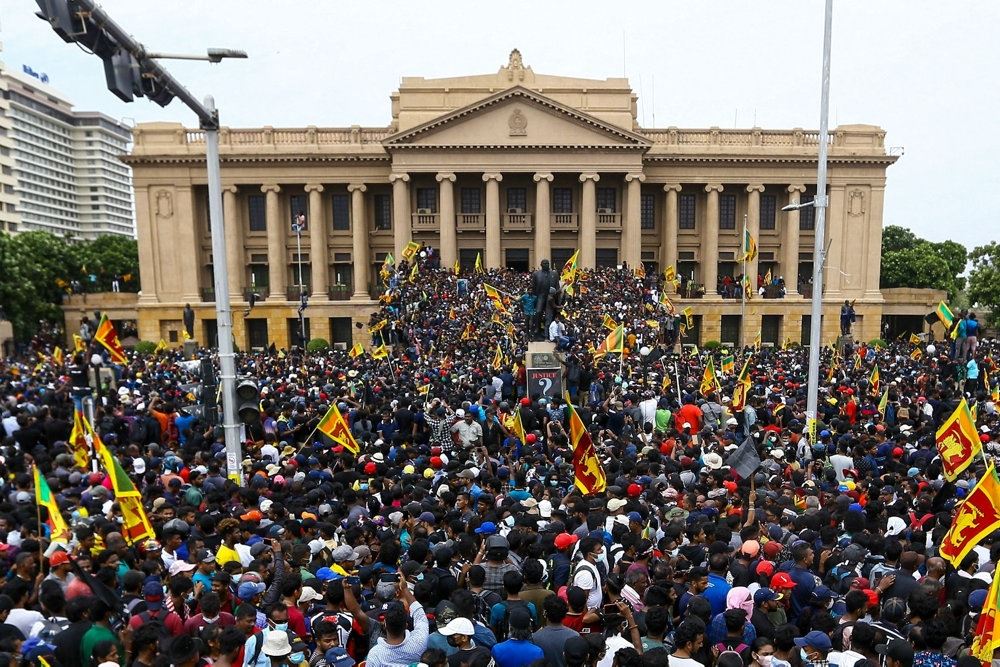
<point x="924" y="71"/>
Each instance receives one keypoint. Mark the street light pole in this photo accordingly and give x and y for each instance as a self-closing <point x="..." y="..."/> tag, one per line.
<point x="298" y="223"/>
<point x="820" y="204"/>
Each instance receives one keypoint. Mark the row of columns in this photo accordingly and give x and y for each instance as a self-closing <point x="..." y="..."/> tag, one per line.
<point x="710" y="241"/>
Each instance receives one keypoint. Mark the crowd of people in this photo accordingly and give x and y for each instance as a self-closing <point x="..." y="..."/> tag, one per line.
<point x="449" y="540"/>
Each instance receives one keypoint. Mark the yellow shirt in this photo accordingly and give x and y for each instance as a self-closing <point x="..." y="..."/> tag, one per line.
<point x="226" y="555"/>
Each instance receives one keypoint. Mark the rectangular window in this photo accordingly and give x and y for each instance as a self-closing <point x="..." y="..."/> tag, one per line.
<point x="472" y="200"/>
<point x="297" y="204"/>
<point x="560" y="256"/>
<point x="607" y="258"/>
<point x="768" y="211"/>
<point x="607" y="199"/>
<point x="647" y="211"/>
<point x="341" y="205"/>
<point x="382" y="206"/>
<point x="427" y="200"/>
<point x="256" y="208"/>
<point x="727" y="212"/>
<point x="686" y="211"/>
<point x="807" y="219"/>
<point x="562" y="200"/>
<point x="517" y="200"/>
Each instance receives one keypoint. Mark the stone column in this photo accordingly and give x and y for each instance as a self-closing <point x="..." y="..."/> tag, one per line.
<point x="668" y="243"/>
<point x="233" y="231"/>
<point x="834" y="264"/>
<point x="319" y="260"/>
<point x="146" y="223"/>
<point x="753" y="226"/>
<point x="710" y="242"/>
<point x="588" y="221"/>
<point x="277" y="260"/>
<point x="873" y="252"/>
<point x="632" y="224"/>
<point x="449" y="234"/>
<point x="493" y="256"/>
<point x="362" y="247"/>
<point x="790" y="243"/>
<point x="190" y="273"/>
<point x="543" y="218"/>
<point x="401" y="222"/>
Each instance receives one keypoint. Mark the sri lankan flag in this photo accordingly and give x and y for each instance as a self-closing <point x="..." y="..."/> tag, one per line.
<point x="452" y="315"/>
<point x="874" y="384"/>
<point x="742" y="387"/>
<point x="58" y="530"/>
<point x="588" y="475"/>
<point x="479" y="263"/>
<point x="609" y="323"/>
<point x="497" y="358"/>
<point x="613" y="344"/>
<point x="945" y="315"/>
<point x="135" y="523"/>
<point x="749" y="246"/>
<point x="380" y="352"/>
<point x="666" y="382"/>
<point x="977" y="517"/>
<point x="640" y="271"/>
<point x="986" y="639"/>
<point x="414" y="273"/>
<point x="728" y="364"/>
<point x="915" y="339"/>
<point x="468" y="332"/>
<point x="517" y="426"/>
<point x="334" y="426"/>
<point x="57" y="356"/>
<point x="670" y="274"/>
<point x="569" y="272"/>
<point x="688" y="314"/>
<point x="378" y="327"/>
<point x="410" y="251"/>
<point x="916" y="354"/>
<point x="108" y="337"/>
<point x="493" y="294"/>
<point x="665" y="301"/>
<point x="78" y="345"/>
<point x="958" y="442"/>
<point x="708" y="379"/>
<point x="161" y="346"/>
<point x="78" y="441"/>
<point x="883" y="403"/>
<point x="356" y="351"/>
<point x="457" y="268"/>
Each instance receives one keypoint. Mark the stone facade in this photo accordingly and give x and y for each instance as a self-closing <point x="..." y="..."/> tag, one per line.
<point x="517" y="166"/>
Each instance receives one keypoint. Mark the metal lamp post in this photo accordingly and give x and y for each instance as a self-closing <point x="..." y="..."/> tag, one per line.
<point x="298" y="226"/>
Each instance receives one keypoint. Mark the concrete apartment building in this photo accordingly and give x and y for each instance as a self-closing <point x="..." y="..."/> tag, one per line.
<point x="66" y="175"/>
<point x="517" y="166"/>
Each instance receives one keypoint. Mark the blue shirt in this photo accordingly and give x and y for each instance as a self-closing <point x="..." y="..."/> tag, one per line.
<point x="516" y="652"/>
<point x="718" y="589"/>
<point x="805" y="583"/>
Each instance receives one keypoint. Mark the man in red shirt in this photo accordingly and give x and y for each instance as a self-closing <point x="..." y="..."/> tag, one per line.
<point x="211" y="614"/>
<point x="153" y="594"/>
<point x="688" y="414"/>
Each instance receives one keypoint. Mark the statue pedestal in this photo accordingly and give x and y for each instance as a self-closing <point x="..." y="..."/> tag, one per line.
<point x="544" y="374"/>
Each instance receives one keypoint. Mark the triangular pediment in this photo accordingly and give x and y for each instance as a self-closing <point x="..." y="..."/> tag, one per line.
<point x="517" y="117"/>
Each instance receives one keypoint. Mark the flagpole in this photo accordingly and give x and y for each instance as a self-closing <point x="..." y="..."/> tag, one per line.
<point x="743" y="287"/>
<point x="38" y="507"/>
<point x="677" y="375"/>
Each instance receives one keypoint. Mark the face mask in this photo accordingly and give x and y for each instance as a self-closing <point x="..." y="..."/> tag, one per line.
<point x="296" y="658"/>
<point x="764" y="660"/>
<point x="281" y="627"/>
<point x="803" y="655"/>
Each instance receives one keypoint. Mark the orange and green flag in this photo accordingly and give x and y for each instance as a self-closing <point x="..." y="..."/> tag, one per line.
<point x="588" y="475"/>
<point x="728" y="364"/>
<point x="708" y="379"/>
<point x="874" y="384"/>
<point x="334" y="426"/>
<point x="958" y="442"/>
<point x="977" y="517"/>
<point x="742" y="388"/>
<point x="58" y="530"/>
<point x="944" y="314"/>
<point x="613" y="344"/>
<point x="108" y="337"/>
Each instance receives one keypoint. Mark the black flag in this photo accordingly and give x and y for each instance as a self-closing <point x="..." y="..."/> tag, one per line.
<point x="745" y="460"/>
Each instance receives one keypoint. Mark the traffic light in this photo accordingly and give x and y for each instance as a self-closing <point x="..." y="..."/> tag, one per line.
<point x="124" y="79"/>
<point x="248" y="401"/>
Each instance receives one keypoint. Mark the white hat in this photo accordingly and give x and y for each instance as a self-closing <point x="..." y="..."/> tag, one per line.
<point x="276" y="643"/>
<point x="309" y="595"/>
<point x="713" y="460"/>
<point x="139" y="466"/>
<point x="895" y="526"/>
<point x="545" y="509"/>
<point x="458" y="626"/>
<point x="460" y="413"/>
<point x="616" y="504"/>
<point x="265" y="504"/>
<point x="778" y="453"/>
<point x="179" y="566"/>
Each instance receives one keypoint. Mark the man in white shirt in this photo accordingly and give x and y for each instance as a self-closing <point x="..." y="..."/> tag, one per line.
<point x="587" y="575"/>
<point x="557" y="333"/>
<point x="470" y="433"/>
<point x="648" y="408"/>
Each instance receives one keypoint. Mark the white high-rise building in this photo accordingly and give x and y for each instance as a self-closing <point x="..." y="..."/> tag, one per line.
<point x="10" y="216"/>
<point x="68" y="179"/>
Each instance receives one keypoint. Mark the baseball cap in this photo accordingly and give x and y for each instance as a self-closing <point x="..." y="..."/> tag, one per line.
<point x="58" y="558"/>
<point x="486" y="528"/>
<point x="249" y="590"/>
<point x="576" y="650"/>
<point x="781" y="581"/>
<point x="179" y="566"/>
<point x="427" y="517"/>
<point x="461" y="626"/>
<point x="565" y="540"/>
<point x="816" y="639"/>
<point x="750" y="548"/>
<point x="765" y="567"/>
<point x="765" y="595"/>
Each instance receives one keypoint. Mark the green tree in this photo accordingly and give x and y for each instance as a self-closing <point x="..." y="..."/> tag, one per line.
<point x="107" y="257"/>
<point x="910" y="261"/>
<point x="984" y="280"/>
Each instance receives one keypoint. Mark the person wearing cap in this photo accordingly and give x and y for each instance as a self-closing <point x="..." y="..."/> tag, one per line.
<point x="152" y="595"/>
<point x="459" y="633"/>
<point x="814" y="648"/>
<point x="60" y="570"/>
<point x="397" y="646"/>
<point x="766" y="603"/>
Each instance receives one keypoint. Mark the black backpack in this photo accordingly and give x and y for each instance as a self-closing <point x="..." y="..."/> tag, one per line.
<point x="485" y="599"/>
<point x="502" y="629"/>
<point x="157" y="622"/>
<point x="138" y="432"/>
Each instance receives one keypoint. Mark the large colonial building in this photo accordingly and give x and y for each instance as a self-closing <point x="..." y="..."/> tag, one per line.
<point x="517" y="166"/>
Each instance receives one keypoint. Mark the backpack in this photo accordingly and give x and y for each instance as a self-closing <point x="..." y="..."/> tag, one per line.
<point x="157" y="622"/>
<point x="138" y="432"/>
<point x="485" y="599"/>
<point x="502" y="629"/>
<point x="50" y="628"/>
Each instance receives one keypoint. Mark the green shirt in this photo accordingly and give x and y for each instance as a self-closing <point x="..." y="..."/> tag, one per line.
<point x="99" y="633"/>
<point x="661" y="419"/>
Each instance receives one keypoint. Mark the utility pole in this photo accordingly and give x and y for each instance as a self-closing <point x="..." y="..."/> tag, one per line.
<point x="132" y="71"/>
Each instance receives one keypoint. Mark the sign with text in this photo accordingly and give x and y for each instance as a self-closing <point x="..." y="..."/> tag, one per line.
<point x="544" y="382"/>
